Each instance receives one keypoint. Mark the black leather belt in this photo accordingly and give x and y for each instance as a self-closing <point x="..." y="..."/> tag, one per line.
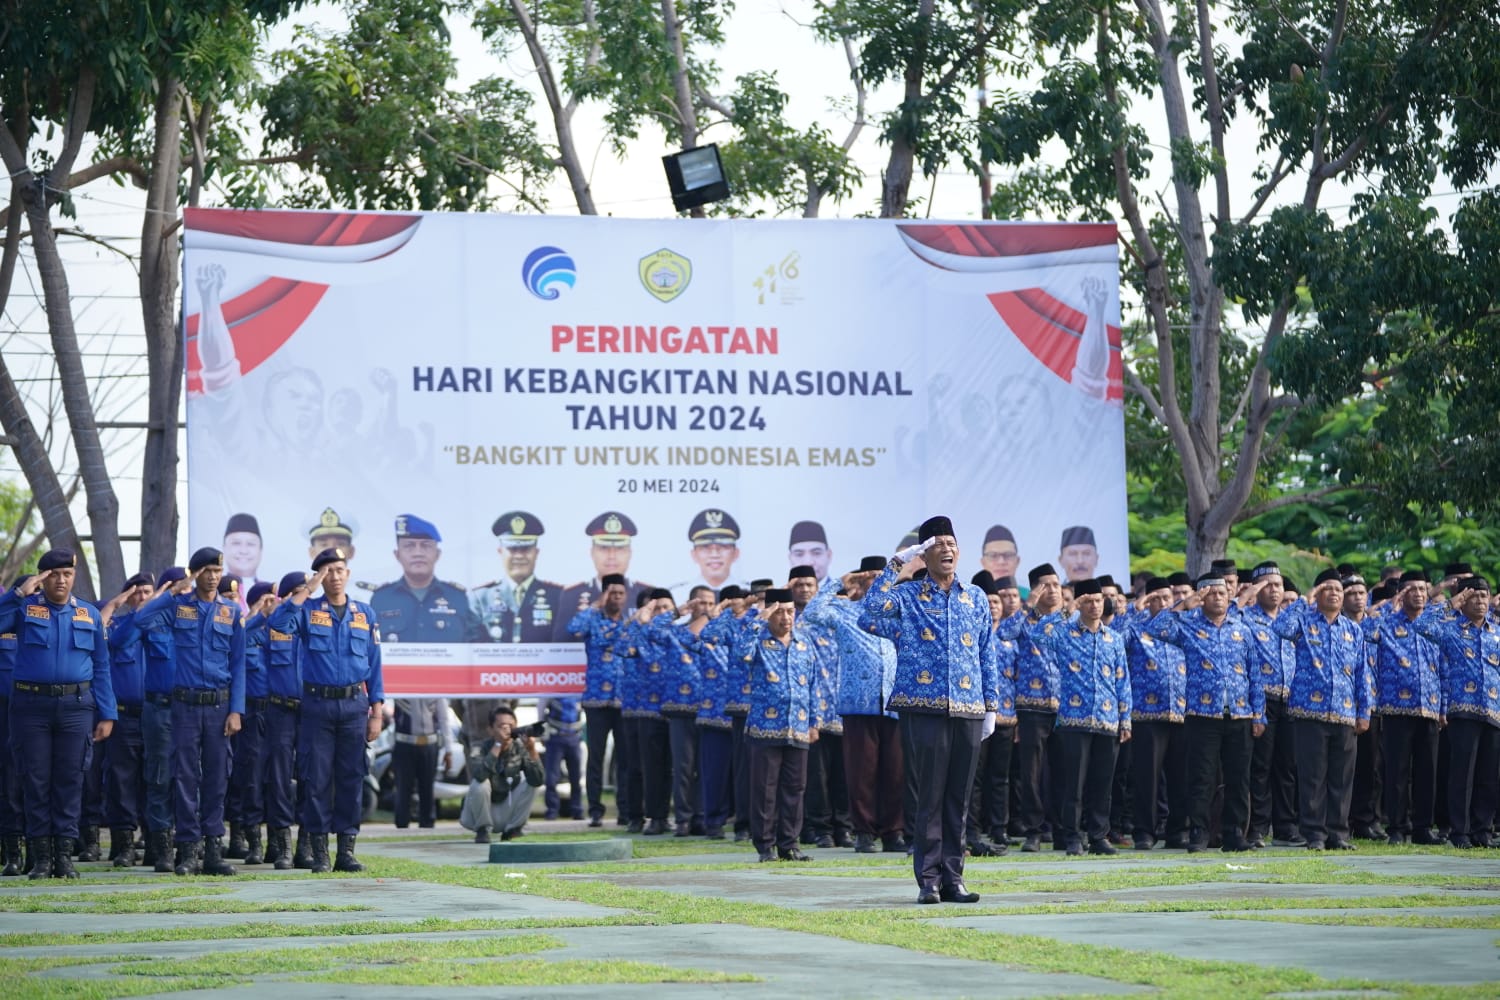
<point x="132" y="711"/>
<point x="281" y="701"/>
<point x="257" y="704"/>
<point x="332" y="693"/>
<point x="200" y="696"/>
<point x="52" y="690"/>
<point x="159" y="698"/>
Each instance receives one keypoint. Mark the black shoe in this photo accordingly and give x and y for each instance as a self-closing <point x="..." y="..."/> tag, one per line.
<point x="957" y="893"/>
<point x="213" y="858"/>
<point x="514" y="833"/>
<point x="1196" y="847"/>
<point x="824" y="840"/>
<point x="842" y="839"/>
<point x="929" y="895"/>
<point x="1074" y="850"/>
<point x="40" y="849"/>
<point x="893" y="843"/>
<point x="482" y="835"/>
<point x="1032" y="845"/>
<point x="122" y="847"/>
<point x="1177" y="843"/>
<point x="1144" y="843"/>
<point x="635" y="826"/>
<point x="714" y="833"/>
<point x="741" y="835"/>
<point x="1426" y="838"/>
<point x="864" y="843"/>
<point x="1461" y="842"/>
<point x="1341" y="845"/>
<point x="1480" y="839"/>
<point x="88" y="844"/>
<point x="981" y="848"/>
<point x="1103" y="847"/>
<point x="1314" y="845"/>
<point x="62" y="861"/>
<point x="13" y="856"/>
<point x="1394" y="839"/>
<point x="1290" y="840"/>
<point x="767" y="856"/>
<point x="596" y="821"/>
<point x="163" y="863"/>
<point x="302" y="855"/>
<point x="238" y="847"/>
<point x="682" y="830"/>
<point x="253" y="849"/>
<point x="320" y="863"/>
<point x="189" y="860"/>
<point x="280" y="852"/>
<point x="1370" y="832"/>
<point x="656" y="828"/>
<point x="1257" y="843"/>
<point x="1236" y="846"/>
<point x="346" y="861"/>
<point x="793" y="854"/>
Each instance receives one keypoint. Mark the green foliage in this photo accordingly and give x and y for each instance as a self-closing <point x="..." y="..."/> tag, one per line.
<point x="370" y="116"/>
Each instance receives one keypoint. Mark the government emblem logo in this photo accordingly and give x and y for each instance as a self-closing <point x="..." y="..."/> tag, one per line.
<point x="665" y="274"/>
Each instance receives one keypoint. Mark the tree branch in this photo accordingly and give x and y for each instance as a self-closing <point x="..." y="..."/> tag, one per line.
<point x="1140" y="389"/>
<point x="1292" y="499"/>
<point x="126" y="165"/>
<point x="1279" y="173"/>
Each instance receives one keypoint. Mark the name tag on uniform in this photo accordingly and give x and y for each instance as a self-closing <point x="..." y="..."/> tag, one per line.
<point x="358" y="620"/>
<point x="187" y="611"/>
<point x="280" y="636"/>
<point x="224" y="614"/>
<point x="39" y="611"/>
<point x="81" y="614"/>
<point x="320" y="618"/>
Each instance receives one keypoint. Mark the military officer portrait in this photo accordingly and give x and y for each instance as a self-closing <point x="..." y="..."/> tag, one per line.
<point x="716" y="545"/>
<point x="610" y="535"/>
<point x="331" y="532"/>
<point x="419" y="607"/>
<point x="520" y="607"/>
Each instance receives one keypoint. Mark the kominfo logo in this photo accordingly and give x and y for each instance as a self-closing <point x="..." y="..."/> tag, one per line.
<point x="545" y="269"/>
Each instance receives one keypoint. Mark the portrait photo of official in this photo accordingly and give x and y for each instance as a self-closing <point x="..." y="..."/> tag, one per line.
<point x="1078" y="554"/>
<point x="808" y="546"/>
<point x="716" y="545"/>
<point x="1000" y="555"/>
<point x="419" y="607"/>
<point x="331" y="532"/>
<point x="610" y="535"/>
<point x="519" y="607"/>
<point x="243" y="548"/>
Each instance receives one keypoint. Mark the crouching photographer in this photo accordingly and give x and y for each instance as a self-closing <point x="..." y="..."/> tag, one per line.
<point x="504" y="774"/>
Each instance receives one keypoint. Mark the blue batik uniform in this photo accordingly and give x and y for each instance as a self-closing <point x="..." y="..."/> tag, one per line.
<point x="783" y="707"/>
<point x="1408" y="667"/>
<point x="945" y="650"/>
<point x="633" y="686"/>
<point x="1037" y="681"/>
<point x="601" y="684"/>
<point x="681" y="681"/>
<point x="339" y="654"/>
<point x="738" y="636"/>
<point x="713" y="662"/>
<point x="1007" y="652"/>
<point x="1471" y="663"/>
<point x="61" y="681"/>
<point x="1332" y="680"/>
<point x="1272" y="659"/>
<point x="866" y="662"/>
<point x="826" y="691"/>
<point x="1095" y="677"/>
<point x="1217" y="659"/>
<point x="1158" y="675"/>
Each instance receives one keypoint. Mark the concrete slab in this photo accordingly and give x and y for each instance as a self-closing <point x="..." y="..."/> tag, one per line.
<point x="1447" y="957"/>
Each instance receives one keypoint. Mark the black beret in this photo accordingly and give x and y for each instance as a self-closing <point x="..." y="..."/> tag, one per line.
<point x="1006" y="583"/>
<point x="1325" y="576"/>
<point x="258" y="591"/>
<point x="871" y="564"/>
<point x="984" y="580"/>
<point x="998" y="533"/>
<point x="1156" y="583"/>
<point x="610" y="579"/>
<point x="141" y="579"/>
<point x="934" y="527"/>
<point x="1179" y="579"/>
<point x="289" y="583"/>
<point x="327" y="556"/>
<point x="242" y="522"/>
<point x="1037" y="572"/>
<point x="807" y="531"/>
<point x="57" y="559"/>
<point x="1265" y="569"/>
<point x="731" y="592"/>
<point x="1083" y="588"/>
<point x="1414" y="576"/>
<point x="171" y="574"/>
<point x="229" y="585"/>
<point x="204" y="557"/>
<point x="1077" y="535"/>
<point x="799" y="572"/>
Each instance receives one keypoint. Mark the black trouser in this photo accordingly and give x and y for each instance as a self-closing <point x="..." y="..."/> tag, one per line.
<point x="652" y="746"/>
<point x="124" y="774"/>
<point x="602" y="722"/>
<point x="1365" y="808"/>
<point x="687" y="805"/>
<point x="741" y="775"/>
<point x="1212" y="743"/>
<point x="989" y="801"/>
<point x="415" y="768"/>
<point x="876" y="776"/>
<point x="1473" y="775"/>
<point x="1121" y="804"/>
<point x="941" y="752"/>
<point x="778" y="778"/>
<point x="1035" y="729"/>
<point x="1409" y="749"/>
<point x="1158" y="747"/>
<point x="1273" y="775"/>
<point x="1086" y="774"/>
<point x="827" y="805"/>
<point x="1325" y="778"/>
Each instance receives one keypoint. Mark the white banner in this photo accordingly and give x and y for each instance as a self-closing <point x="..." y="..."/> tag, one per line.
<point x="612" y="388"/>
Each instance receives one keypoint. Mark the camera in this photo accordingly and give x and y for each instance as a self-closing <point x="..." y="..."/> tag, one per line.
<point x="535" y="730"/>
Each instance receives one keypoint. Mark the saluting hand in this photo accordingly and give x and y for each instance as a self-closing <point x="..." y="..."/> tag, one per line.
<point x="33" y="583"/>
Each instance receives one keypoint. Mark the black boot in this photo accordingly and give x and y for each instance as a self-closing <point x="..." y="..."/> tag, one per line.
<point x="161" y="851"/>
<point x="62" y="858"/>
<point x="13" y="859"/>
<point x="213" y="858"/>
<point x="302" y="857"/>
<point x="40" y="849"/>
<point x="346" y="861"/>
<point x="281" y="849"/>
<point x="189" y="861"/>
<point x="319" y="853"/>
<point x="122" y="847"/>
<point x="253" y="855"/>
<point x="88" y="847"/>
<point x="237" y="845"/>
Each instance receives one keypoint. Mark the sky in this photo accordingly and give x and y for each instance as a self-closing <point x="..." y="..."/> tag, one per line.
<point x="761" y="34"/>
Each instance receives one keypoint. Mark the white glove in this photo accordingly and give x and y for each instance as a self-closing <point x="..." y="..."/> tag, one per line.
<point x="684" y="619"/>
<point x="989" y="726"/>
<point x="909" y="553"/>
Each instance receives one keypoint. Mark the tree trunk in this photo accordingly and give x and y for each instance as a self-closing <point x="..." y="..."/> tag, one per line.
<point x="562" y="113"/>
<point x="895" y="182"/>
<point x="687" y="114"/>
<point x="159" y="306"/>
